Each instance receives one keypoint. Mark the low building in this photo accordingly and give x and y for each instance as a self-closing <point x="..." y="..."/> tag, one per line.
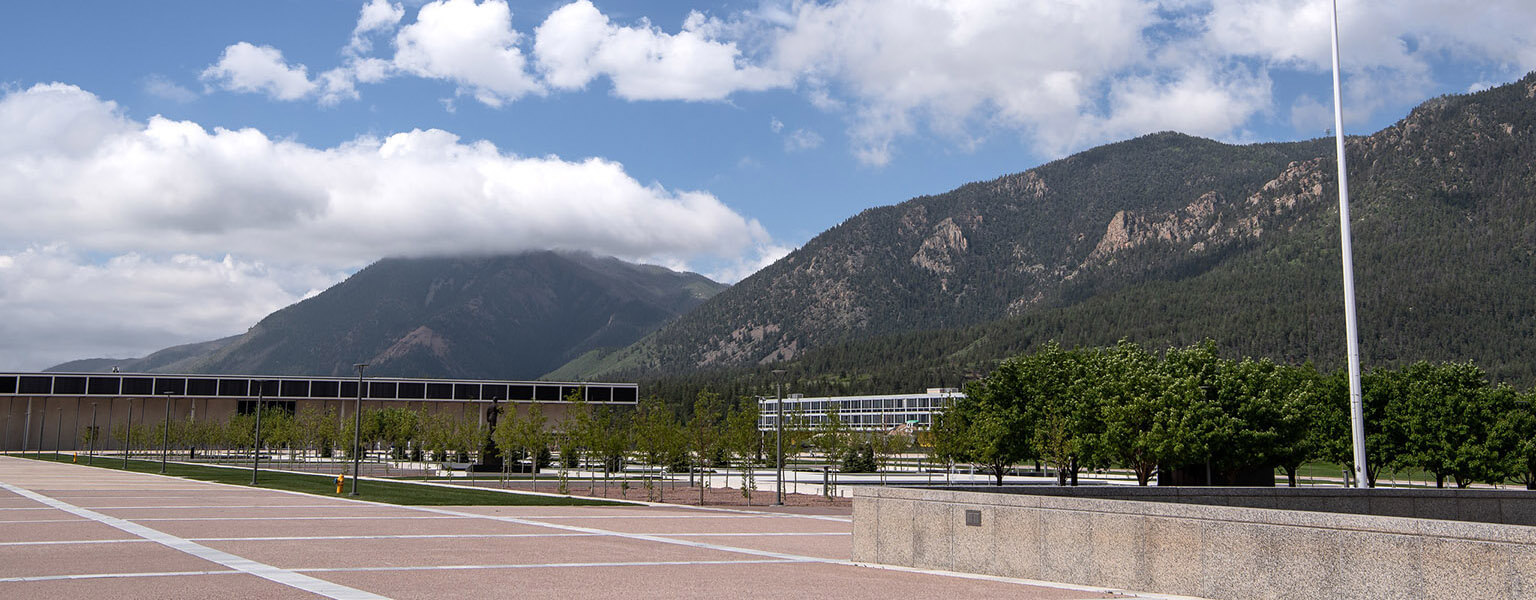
<point x="882" y="412"/>
<point x="48" y="410"/>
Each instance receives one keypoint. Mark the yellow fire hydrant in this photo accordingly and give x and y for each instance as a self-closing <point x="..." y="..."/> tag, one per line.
<point x="340" y="477"/>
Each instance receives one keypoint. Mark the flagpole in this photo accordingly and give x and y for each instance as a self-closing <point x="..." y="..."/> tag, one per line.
<point x="1356" y="404"/>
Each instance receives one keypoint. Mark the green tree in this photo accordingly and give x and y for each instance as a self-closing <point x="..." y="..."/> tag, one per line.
<point x="704" y="433"/>
<point x="1139" y="418"/>
<point x="744" y="443"/>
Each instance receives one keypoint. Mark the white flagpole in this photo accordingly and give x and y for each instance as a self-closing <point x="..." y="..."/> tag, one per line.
<point x="1356" y="404"/>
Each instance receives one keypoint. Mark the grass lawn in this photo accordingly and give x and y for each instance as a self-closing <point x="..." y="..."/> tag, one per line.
<point x="324" y="485"/>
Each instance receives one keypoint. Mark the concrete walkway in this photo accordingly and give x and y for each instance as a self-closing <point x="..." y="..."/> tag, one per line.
<point x="70" y="531"/>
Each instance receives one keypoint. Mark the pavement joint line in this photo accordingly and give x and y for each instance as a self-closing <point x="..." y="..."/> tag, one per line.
<point x="650" y="517"/>
<point x="112" y="576"/>
<point x="421" y="536"/>
<point x="67" y="542"/>
<point x="197" y="507"/>
<point x="363" y="518"/>
<point x="262" y="570"/>
<point x="46" y="521"/>
<point x="659" y="563"/>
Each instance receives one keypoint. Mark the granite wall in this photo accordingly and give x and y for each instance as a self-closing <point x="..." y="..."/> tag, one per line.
<point x="1195" y="549"/>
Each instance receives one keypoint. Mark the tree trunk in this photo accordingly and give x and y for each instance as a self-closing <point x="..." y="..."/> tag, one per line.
<point x="1439" y="480"/>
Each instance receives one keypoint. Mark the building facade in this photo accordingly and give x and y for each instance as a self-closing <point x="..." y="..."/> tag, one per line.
<point x="882" y="412"/>
<point x="48" y="411"/>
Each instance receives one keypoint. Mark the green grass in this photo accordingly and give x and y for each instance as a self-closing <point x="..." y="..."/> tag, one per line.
<point x="325" y="485"/>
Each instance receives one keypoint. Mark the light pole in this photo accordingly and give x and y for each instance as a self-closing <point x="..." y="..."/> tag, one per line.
<point x="165" y="436"/>
<point x="58" y="429"/>
<point x="261" y="390"/>
<point x="26" y="428"/>
<point x="90" y="457"/>
<point x="5" y="437"/>
<point x="42" y="428"/>
<point x="778" y="437"/>
<point x="128" y="436"/>
<point x="1351" y="330"/>
<point x="357" y="427"/>
<point x="75" y="445"/>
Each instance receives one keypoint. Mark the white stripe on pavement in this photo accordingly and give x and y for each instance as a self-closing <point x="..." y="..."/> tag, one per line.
<point x="262" y="570"/>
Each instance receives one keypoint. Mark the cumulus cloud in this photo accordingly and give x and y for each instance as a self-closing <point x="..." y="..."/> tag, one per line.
<point x="172" y="194"/>
<point x="577" y="43"/>
<point x="376" y="16"/>
<point x="469" y="43"/>
<point x="132" y="303"/>
<point x="245" y="67"/>
<point x="162" y="87"/>
<point x="902" y="63"/>
<point x="1059" y="75"/>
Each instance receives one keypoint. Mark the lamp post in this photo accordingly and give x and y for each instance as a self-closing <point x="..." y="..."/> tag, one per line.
<point x="76" y="426"/>
<point x="26" y="428"/>
<point x="58" y="429"/>
<point x="165" y="434"/>
<point x="5" y="436"/>
<point x="128" y="436"/>
<point x="1351" y="330"/>
<point x="357" y="427"/>
<point x="778" y="436"/>
<point x="42" y="428"/>
<point x="90" y="457"/>
<point x="261" y="390"/>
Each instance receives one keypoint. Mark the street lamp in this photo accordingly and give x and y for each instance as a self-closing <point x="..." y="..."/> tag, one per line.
<point x="90" y="457"/>
<point x="5" y="437"/>
<point x="128" y="436"/>
<point x="778" y="437"/>
<point x="165" y="434"/>
<point x="357" y="427"/>
<point x="261" y="390"/>
<point x="42" y="428"/>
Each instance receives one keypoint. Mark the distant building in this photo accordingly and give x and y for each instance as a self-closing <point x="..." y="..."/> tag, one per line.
<point x="48" y="410"/>
<point x="882" y="412"/>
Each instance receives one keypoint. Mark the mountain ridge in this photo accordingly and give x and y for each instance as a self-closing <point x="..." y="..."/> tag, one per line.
<point x="1158" y="223"/>
<point x="498" y="317"/>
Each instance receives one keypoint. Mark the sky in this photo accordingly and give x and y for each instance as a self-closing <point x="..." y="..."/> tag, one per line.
<point x="173" y="171"/>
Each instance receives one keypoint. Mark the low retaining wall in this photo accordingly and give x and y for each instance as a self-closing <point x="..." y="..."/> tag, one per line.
<point x="1167" y="543"/>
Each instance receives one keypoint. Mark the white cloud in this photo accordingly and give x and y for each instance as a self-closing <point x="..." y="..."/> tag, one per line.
<point x="132" y="303"/>
<point x="162" y="87"/>
<point x="375" y="16"/>
<point x="739" y="269"/>
<point x="469" y="43"/>
<point x="80" y="174"/>
<point x="245" y="67"/>
<point x="911" y="62"/>
<point x="577" y="43"/>
<point x="802" y="139"/>
<point x="1060" y="75"/>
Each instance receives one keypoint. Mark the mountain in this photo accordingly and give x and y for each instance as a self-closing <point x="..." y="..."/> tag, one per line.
<point x="500" y="317"/>
<point x="1165" y="239"/>
<point x="176" y="359"/>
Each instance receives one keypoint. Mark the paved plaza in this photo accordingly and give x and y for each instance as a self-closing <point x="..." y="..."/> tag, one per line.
<point x="70" y="531"/>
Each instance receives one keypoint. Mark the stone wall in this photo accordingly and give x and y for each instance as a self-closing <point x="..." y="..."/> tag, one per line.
<point x="1192" y="549"/>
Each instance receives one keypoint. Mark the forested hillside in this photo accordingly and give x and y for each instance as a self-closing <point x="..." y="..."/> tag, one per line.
<point x="1164" y="240"/>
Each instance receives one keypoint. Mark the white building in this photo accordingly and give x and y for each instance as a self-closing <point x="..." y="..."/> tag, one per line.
<point x="859" y="413"/>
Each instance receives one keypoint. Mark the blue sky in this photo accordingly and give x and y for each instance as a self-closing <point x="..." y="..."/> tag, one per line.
<point x="176" y="170"/>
